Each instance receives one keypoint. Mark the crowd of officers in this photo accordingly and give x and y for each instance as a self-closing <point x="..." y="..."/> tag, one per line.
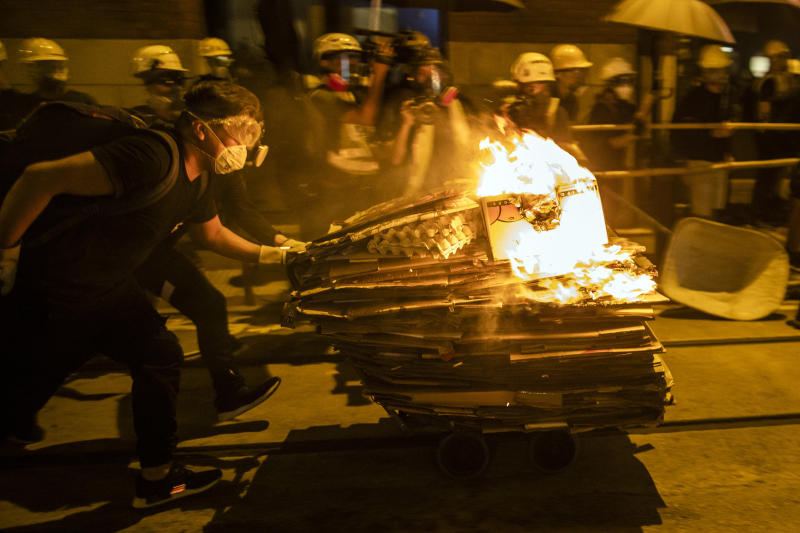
<point x="380" y="118"/>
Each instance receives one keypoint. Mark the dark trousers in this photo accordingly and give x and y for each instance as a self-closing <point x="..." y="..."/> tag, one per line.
<point x="766" y="203"/>
<point x="170" y="274"/>
<point x="45" y="344"/>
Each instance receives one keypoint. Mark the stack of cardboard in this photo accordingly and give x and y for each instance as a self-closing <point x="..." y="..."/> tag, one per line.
<point x="444" y="335"/>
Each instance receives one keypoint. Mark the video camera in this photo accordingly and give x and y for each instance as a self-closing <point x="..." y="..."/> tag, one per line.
<point x="424" y="109"/>
<point x="408" y="45"/>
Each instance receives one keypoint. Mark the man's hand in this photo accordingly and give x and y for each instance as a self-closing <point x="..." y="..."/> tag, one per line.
<point x="297" y="247"/>
<point x="290" y="245"/>
<point x="272" y="255"/>
<point x="406" y="111"/>
<point x="8" y="269"/>
<point x="723" y="132"/>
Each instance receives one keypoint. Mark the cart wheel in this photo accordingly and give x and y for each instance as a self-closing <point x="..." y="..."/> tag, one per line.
<point x="463" y="455"/>
<point x="552" y="451"/>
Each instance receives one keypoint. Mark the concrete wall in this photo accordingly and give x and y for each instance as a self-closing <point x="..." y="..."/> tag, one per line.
<point x="103" y="19"/>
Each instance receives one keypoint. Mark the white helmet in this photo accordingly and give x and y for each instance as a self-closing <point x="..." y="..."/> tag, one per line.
<point x="713" y="56"/>
<point x="775" y="47"/>
<point x="155" y="57"/>
<point x="567" y="56"/>
<point x="335" y="42"/>
<point x="38" y="49"/>
<point x="214" y="46"/>
<point x="3" y="55"/>
<point x="616" y="66"/>
<point x="532" y="66"/>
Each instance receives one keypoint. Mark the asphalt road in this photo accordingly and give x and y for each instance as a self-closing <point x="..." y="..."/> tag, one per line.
<point x="319" y="457"/>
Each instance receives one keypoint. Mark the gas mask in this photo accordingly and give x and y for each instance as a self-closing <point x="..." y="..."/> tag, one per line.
<point x="624" y="92"/>
<point x="715" y="78"/>
<point x="219" y="67"/>
<point x="50" y="75"/>
<point x="246" y="131"/>
<point x="345" y="70"/>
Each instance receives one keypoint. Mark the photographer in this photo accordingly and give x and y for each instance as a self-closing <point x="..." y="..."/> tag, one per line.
<point x="346" y="117"/>
<point x="433" y="121"/>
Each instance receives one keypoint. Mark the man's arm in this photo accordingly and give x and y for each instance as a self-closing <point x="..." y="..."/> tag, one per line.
<point x="234" y="202"/>
<point x="216" y="237"/>
<point x="366" y="113"/>
<point x="79" y="174"/>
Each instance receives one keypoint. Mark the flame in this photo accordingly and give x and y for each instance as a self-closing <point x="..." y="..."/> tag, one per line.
<point x="545" y="216"/>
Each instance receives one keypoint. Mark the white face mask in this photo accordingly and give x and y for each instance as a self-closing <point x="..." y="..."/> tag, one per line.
<point x="231" y="159"/>
<point x="624" y="92"/>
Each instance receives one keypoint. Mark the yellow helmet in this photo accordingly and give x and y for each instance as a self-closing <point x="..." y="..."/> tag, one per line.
<point x="155" y="57"/>
<point x="567" y="56"/>
<point x="776" y="47"/>
<point x="616" y="66"/>
<point x="39" y="49"/>
<point x="532" y="66"/>
<point x="713" y="56"/>
<point x="214" y="46"/>
<point x="335" y="42"/>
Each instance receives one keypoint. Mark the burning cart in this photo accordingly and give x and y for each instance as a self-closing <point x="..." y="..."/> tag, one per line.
<point x="502" y="311"/>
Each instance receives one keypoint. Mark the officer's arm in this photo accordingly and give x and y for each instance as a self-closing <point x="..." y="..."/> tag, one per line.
<point x="78" y="174"/>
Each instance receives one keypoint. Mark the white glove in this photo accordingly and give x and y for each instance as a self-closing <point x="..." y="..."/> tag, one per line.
<point x="291" y="245"/>
<point x="8" y="269"/>
<point x="271" y="255"/>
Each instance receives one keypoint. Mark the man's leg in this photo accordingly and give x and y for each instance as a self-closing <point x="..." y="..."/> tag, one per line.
<point x="135" y="334"/>
<point x="174" y="277"/>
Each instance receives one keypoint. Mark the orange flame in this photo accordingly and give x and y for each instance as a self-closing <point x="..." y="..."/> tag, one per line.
<point x="566" y="248"/>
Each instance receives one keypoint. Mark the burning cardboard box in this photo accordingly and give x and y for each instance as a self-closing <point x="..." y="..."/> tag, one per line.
<point x="541" y="210"/>
<point x="511" y="312"/>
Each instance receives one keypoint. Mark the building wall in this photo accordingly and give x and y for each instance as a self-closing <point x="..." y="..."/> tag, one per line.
<point x="103" y="19"/>
<point x="547" y="21"/>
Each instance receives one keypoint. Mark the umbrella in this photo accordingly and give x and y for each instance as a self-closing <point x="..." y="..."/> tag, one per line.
<point x="793" y="3"/>
<point x="689" y="17"/>
<point x="461" y="5"/>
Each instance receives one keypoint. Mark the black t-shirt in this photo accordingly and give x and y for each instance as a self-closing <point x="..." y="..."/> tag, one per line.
<point x="93" y="258"/>
<point x="702" y="105"/>
<point x="534" y="117"/>
<point x="236" y="208"/>
<point x="607" y="110"/>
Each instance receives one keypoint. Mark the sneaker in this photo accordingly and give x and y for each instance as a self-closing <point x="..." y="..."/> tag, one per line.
<point x="28" y="433"/>
<point x="244" y="398"/>
<point x="178" y="483"/>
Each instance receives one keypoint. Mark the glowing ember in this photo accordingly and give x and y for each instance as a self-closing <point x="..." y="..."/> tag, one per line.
<point x="543" y="214"/>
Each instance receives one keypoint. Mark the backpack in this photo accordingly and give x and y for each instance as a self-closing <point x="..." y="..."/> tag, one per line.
<point x="57" y="129"/>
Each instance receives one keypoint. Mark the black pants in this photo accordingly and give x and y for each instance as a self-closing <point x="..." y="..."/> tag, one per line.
<point x="170" y="274"/>
<point x="45" y="344"/>
<point x="766" y="201"/>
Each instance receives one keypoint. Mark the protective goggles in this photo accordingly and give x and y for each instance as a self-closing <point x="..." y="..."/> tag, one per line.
<point x="244" y="130"/>
<point x="164" y="77"/>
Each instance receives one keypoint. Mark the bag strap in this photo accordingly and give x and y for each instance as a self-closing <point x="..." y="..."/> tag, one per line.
<point x="119" y="207"/>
